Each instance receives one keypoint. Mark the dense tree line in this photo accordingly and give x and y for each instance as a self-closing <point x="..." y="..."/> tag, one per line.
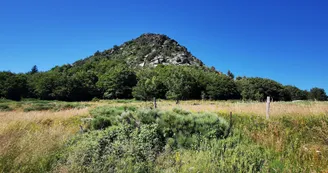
<point x="112" y="79"/>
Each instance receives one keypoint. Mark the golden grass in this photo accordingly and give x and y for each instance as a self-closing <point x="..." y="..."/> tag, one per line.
<point x="253" y="108"/>
<point x="302" y="108"/>
<point x="27" y="138"/>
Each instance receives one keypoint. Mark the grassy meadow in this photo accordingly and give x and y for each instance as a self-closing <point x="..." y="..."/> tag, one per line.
<point x="193" y="136"/>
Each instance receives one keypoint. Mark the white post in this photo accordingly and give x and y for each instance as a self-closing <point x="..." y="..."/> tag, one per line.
<point x="268" y="107"/>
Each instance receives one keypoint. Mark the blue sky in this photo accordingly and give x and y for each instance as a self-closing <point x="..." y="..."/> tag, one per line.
<point x="283" y="40"/>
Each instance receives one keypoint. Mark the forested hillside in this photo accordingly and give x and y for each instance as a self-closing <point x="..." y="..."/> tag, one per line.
<point x="151" y="65"/>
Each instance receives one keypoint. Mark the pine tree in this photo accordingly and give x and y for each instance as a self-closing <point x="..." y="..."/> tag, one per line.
<point x="230" y="74"/>
<point x="34" y="70"/>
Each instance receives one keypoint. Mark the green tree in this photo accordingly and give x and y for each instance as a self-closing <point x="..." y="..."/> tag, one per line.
<point x="117" y="83"/>
<point x="82" y="86"/>
<point x="49" y="85"/>
<point x="296" y="93"/>
<point x="318" y="94"/>
<point x="34" y="70"/>
<point x="260" y="88"/>
<point x="149" y="85"/>
<point x="221" y="87"/>
<point x="12" y="86"/>
<point x="179" y="84"/>
<point x="230" y="74"/>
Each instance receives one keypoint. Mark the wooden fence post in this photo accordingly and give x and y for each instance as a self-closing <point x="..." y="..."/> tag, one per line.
<point x="155" y="104"/>
<point x="268" y="107"/>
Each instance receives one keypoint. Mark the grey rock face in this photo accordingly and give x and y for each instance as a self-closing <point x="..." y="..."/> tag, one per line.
<point x="151" y="50"/>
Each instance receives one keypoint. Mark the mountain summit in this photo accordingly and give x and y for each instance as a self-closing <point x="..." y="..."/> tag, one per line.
<point x="149" y="50"/>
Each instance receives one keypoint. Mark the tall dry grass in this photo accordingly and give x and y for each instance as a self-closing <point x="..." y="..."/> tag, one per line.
<point x="251" y="108"/>
<point x="28" y="140"/>
<point x="302" y="108"/>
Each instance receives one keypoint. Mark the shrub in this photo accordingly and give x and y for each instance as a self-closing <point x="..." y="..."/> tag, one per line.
<point x="234" y="154"/>
<point x="130" y="140"/>
<point x="107" y="116"/>
<point x="116" y="149"/>
<point x="38" y="107"/>
<point x="4" y="107"/>
<point x="67" y="106"/>
<point x="42" y="106"/>
<point x="95" y="99"/>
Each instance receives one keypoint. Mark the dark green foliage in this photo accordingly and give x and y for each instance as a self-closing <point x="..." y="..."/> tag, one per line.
<point x="221" y="87"/>
<point x="184" y="82"/>
<point x="179" y="84"/>
<point x="34" y="70"/>
<point x="149" y="85"/>
<point x="49" y="86"/>
<point x="12" y="86"/>
<point x="318" y="94"/>
<point x="230" y="74"/>
<point x="117" y="83"/>
<point x="63" y="84"/>
<point x="4" y="107"/>
<point x="259" y="88"/>
<point x="295" y="93"/>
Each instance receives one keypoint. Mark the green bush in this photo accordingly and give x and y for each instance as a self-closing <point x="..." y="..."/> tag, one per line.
<point x="107" y="116"/>
<point x="95" y="99"/>
<point x="178" y="124"/>
<point x="132" y="140"/>
<point x="38" y="107"/>
<point x="66" y="106"/>
<point x="116" y="149"/>
<point x="3" y="100"/>
<point x="54" y="106"/>
<point x="5" y="107"/>
<point x="233" y="154"/>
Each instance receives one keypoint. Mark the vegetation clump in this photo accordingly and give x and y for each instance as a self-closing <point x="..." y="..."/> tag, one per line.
<point x="5" y="107"/>
<point x="131" y="140"/>
<point x="43" y="106"/>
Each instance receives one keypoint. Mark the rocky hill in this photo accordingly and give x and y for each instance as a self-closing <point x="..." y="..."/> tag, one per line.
<point x="148" y="50"/>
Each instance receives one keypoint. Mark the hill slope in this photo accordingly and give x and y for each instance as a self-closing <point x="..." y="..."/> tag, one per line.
<point x="148" y="50"/>
<point x="126" y="71"/>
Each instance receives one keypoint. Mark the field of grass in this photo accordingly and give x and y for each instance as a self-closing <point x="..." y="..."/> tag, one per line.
<point x="194" y="136"/>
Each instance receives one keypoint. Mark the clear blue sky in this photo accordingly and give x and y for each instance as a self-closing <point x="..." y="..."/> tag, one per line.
<point x="279" y="39"/>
